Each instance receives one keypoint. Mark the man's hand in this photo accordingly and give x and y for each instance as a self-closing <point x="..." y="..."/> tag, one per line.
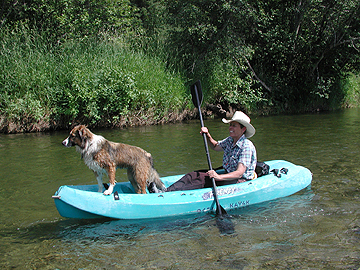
<point x="213" y="174"/>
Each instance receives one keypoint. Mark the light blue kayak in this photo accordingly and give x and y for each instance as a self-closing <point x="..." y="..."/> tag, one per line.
<point x="84" y="201"/>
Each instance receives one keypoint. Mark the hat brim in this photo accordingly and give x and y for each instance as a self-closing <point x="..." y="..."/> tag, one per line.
<point x="250" y="130"/>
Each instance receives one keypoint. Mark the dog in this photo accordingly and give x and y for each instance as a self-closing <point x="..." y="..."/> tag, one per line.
<point x="104" y="157"/>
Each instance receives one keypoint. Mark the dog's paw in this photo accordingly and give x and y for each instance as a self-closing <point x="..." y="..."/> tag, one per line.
<point x="107" y="192"/>
<point x="153" y="188"/>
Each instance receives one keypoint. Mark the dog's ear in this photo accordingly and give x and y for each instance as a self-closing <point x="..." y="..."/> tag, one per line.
<point x="82" y="135"/>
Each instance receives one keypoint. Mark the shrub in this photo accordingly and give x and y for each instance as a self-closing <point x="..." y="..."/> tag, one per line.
<point x="92" y="80"/>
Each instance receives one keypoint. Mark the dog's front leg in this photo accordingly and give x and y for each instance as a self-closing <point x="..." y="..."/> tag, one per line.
<point x="111" y="173"/>
<point x="99" y="180"/>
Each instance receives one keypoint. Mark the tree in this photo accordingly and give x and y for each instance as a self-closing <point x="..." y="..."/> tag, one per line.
<point x="295" y="51"/>
<point x="63" y="19"/>
<point x="302" y="48"/>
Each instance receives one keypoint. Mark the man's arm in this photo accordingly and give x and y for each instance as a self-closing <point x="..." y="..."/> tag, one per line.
<point x="214" y="145"/>
<point x="229" y="176"/>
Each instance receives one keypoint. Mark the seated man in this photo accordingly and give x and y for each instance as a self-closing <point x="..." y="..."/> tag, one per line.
<point x="239" y="160"/>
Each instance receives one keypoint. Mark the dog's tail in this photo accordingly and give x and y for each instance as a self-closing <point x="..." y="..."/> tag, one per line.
<point x="149" y="156"/>
<point x="155" y="178"/>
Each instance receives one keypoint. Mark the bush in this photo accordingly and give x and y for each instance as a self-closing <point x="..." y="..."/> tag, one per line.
<point x="95" y="81"/>
<point x="351" y="88"/>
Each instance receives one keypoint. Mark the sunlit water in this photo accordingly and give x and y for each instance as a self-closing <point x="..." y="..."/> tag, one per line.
<point x="316" y="228"/>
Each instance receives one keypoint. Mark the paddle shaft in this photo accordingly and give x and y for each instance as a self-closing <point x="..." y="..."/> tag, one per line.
<point x="207" y="153"/>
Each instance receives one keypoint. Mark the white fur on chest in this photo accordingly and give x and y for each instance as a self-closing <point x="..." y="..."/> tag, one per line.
<point x="91" y="148"/>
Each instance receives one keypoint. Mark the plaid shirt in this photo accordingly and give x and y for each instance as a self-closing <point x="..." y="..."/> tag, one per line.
<point x="243" y="152"/>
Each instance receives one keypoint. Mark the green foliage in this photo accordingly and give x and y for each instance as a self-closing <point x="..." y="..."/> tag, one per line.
<point x="205" y="41"/>
<point x="25" y="75"/>
<point x="303" y="47"/>
<point x="298" y="50"/>
<point x="351" y="86"/>
<point x="95" y="81"/>
<point x="100" y="61"/>
<point x="231" y="87"/>
<point x="64" y="19"/>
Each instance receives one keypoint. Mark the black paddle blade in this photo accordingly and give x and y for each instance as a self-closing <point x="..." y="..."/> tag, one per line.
<point x="220" y="211"/>
<point x="225" y="225"/>
<point x="196" y="88"/>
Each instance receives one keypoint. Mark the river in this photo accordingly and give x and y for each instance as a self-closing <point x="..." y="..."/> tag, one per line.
<point x="316" y="228"/>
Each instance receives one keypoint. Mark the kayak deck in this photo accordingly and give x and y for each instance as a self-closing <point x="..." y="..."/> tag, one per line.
<point x="83" y="201"/>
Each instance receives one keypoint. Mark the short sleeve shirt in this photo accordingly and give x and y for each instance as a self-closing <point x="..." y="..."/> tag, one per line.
<point x="242" y="152"/>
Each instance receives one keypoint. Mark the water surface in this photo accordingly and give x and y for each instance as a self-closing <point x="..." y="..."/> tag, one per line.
<point x="316" y="228"/>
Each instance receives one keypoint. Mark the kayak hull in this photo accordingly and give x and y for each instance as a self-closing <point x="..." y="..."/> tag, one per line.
<point x="84" y="202"/>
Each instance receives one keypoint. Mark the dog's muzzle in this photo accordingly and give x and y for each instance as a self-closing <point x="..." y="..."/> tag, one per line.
<point x="67" y="143"/>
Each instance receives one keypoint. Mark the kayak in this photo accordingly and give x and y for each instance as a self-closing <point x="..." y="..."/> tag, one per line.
<point x="85" y="202"/>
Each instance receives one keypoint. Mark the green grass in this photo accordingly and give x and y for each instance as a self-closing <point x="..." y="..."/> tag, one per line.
<point x="98" y="82"/>
<point x="351" y="88"/>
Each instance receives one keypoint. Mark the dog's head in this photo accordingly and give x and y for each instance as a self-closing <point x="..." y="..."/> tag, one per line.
<point x="78" y="137"/>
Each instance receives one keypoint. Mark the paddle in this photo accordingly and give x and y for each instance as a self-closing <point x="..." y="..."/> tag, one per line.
<point x="197" y="97"/>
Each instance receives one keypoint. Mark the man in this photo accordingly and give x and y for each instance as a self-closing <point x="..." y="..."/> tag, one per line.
<point x="239" y="160"/>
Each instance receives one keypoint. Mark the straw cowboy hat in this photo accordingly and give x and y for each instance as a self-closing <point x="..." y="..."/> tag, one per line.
<point x="244" y="120"/>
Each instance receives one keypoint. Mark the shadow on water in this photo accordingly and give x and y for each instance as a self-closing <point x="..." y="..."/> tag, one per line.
<point x="104" y="229"/>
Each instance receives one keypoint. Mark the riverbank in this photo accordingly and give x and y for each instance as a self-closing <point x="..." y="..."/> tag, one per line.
<point x="137" y="119"/>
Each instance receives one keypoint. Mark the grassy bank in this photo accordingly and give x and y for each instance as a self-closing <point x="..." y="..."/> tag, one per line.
<point x="102" y="82"/>
<point x="99" y="82"/>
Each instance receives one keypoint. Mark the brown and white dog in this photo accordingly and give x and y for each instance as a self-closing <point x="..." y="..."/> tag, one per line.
<point x="103" y="156"/>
